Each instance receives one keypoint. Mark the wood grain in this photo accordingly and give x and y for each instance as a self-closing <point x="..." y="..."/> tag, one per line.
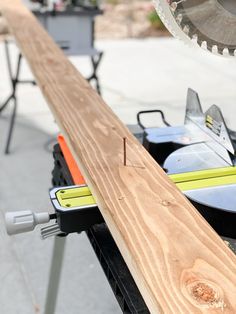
<point x="178" y="262"/>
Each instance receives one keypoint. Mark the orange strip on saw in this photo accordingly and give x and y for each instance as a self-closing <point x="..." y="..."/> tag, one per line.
<point x="74" y="169"/>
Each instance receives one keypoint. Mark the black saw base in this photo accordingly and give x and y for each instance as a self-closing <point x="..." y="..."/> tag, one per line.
<point x="107" y="252"/>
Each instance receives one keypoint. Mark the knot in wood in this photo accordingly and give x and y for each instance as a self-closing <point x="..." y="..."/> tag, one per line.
<point x="166" y="203"/>
<point x="206" y="294"/>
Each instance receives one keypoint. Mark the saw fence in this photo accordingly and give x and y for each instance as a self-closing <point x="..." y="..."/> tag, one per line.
<point x="178" y="262"/>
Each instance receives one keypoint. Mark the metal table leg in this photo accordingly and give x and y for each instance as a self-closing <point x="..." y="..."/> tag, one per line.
<point x="14" y="83"/>
<point x="55" y="275"/>
<point x="12" y="123"/>
<point x="9" y="67"/>
<point x="13" y="98"/>
<point x="95" y="63"/>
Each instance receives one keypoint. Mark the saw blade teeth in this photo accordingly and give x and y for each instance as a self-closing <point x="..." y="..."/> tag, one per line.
<point x="186" y="29"/>
<point x="225" y="52"/>
<point x="195" y="38"/>
<point x="179" y="18"/>
<point x="204" y="45"/>
<point x="214" y="49"/>
<point x="173" y="6"/>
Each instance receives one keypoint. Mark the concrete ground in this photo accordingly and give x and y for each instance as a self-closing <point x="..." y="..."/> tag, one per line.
<point x="135" y="75"/>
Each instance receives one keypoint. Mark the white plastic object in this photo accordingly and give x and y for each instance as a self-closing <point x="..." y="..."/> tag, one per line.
<point x="24" y="221"/>
<point x="50" y="231"/>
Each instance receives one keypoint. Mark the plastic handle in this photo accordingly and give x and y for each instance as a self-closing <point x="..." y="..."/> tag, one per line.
<point x="151" y="111"/>
<point x="24" y="221"/>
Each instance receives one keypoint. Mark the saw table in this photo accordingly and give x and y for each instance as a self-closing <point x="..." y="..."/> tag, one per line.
<point x="73" y="31"/>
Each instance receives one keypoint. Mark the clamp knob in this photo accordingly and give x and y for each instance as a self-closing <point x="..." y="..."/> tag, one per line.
<point x="50" y="231"/>
<point x="24" y="221"/>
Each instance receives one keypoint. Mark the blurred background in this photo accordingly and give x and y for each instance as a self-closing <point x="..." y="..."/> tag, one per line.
<point x="142" y="67"/>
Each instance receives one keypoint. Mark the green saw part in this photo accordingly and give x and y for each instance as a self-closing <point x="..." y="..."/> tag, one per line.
<point x="72" y="193"/>
<point x="204" y="178"/>
<point x="75" y="197"/>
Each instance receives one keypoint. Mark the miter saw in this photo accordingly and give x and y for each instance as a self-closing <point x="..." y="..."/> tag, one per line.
<point x="200" y="155"/>
<point x="199" y="158"/>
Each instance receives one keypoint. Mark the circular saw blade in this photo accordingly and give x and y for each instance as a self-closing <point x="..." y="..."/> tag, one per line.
<point x="211" y="24"/>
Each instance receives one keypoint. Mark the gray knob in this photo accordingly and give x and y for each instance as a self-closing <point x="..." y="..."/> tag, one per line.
<point x="24" y="221"/>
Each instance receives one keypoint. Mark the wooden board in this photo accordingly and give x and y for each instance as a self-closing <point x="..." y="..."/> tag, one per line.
<point x="178" y="262"/>
<point x="3" y="27"/>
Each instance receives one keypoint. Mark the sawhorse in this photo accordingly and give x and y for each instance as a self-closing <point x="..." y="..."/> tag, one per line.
<point x="94" y="55"/>
<point x="14" y="79"/>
